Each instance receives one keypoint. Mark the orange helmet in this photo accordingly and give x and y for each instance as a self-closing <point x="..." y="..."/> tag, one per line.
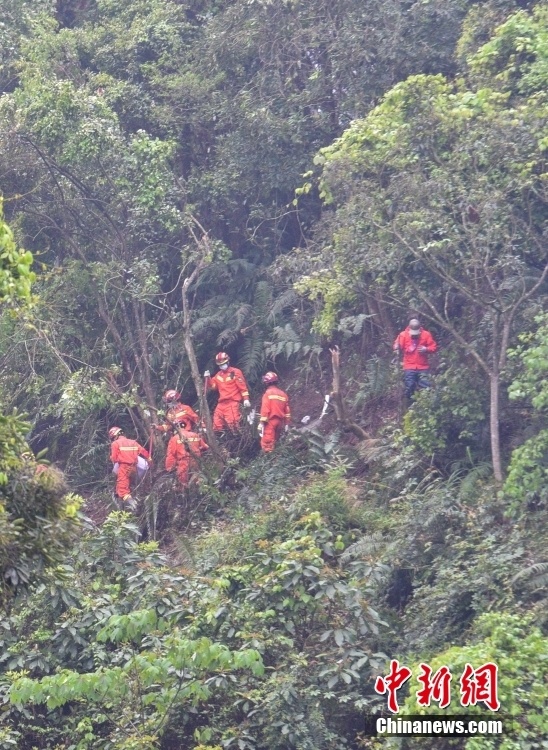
<point x="269" y="378"/>
<point x="172" y="396"/>
<point x="114" y="432"/>
<point x="222" y="358"/>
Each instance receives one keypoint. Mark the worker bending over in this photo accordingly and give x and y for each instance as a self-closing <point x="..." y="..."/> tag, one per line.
<point x="183" y="451"/>
<point x="230" y="384"/>
<point x="275" y="413"/>
<point x="177" y="412"/>
<point x="125" y="452"/>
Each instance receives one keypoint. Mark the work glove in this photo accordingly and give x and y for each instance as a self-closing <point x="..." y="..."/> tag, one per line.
<point x="261" y="429"/>
<point x="422" y="349"/>
<point x="247" y="403"/>
<point x="286" y="428"/>
<point x="207" y="374"/>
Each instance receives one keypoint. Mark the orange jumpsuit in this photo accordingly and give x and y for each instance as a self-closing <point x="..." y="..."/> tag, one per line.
<point x="275" y="414"/>
<point x="182" y="451"/>
<point x="177" y="414"/>
<point x="125" y="452"/>
<point x="232" y="389"/>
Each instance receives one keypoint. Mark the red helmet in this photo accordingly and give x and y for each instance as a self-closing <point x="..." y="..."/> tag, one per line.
<point x="270" y="377"/>
<point x="172" y="395"/>
<point x="114" y="432"/>
<point x="222" y="358"/>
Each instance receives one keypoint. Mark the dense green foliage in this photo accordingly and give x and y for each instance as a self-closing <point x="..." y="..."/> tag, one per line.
<point x="310" y="174"/>
<point x="37" y="512"/>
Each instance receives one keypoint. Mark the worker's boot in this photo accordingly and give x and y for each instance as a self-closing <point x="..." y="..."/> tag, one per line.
<point x="130" y="503"/>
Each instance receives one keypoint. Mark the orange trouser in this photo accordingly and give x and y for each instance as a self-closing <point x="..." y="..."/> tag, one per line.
<point x="183" y="470"/>
<point x="126" y="472"/>
<point x="226" y="416"/>
<point x="273" y="430"/>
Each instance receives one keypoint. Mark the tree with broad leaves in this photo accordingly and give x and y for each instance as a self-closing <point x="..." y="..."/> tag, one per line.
<point x="441" y="205"/>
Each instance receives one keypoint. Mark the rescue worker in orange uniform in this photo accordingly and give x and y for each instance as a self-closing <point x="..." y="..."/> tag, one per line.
<point x="183" y="451"/>
<point x="275" y="413"/>
<point x="177" y="412"/>
<point x="125" y="452"/>
<point x="230" y="384"/>
<point x="416" y="343"/>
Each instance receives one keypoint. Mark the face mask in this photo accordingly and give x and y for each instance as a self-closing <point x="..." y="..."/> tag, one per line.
<point x="223" y="367"/>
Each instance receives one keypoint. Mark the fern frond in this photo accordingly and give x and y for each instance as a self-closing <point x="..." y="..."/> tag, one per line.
<point x="244" y="315"/>
<point x="468" y="484"/>
<point x="364" y="547"/>
<point x="286" y="299"/>
<point x="209" y="320"/>
<point x="287" y="342"/>
<point x="537" y="569"/>
<point x="262" y="298"/>
<point x="227" y="337"/>
<point x="540" y="582"/>
<point x="252" y="355"/>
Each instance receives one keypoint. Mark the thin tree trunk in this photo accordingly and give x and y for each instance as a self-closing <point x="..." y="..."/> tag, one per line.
<point x="338" y="400"/>
<point x="140" y="324"/>
<point x="194" y="369"/>
<point x="494" y="424"/>
<point x="116" y="336"/>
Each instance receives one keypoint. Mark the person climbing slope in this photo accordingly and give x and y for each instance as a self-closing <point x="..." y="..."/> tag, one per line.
<point x="416" y="344"/>
<point x="230" y="384"/>
<point x="125" y="452"/>
<point x="177" y="412"/>
<point x="275" y="413"/>
<point x="183" y="451"/>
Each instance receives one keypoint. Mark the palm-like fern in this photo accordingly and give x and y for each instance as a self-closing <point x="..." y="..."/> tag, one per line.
<point x="367" y="546"/>
<point x="536" y="575"/>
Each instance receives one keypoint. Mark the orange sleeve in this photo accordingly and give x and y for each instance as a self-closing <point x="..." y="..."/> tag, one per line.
<point x="203" y="445"/>
<point x="265" y="408"/>
<point x="430" y="343"/>
<point x="397" y="342"/>
<point x="114" y="453"/>
<point x="211" y="384"/>
<point x="240" y="383"/>
<point x="171" y="456"/>
<point x="143" y="452"/>
<point x="192" y="414"/>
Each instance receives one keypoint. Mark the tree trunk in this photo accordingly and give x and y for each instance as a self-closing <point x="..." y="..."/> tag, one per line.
<point x="494" y="424"/>
<point x="338" y="401"/>
<point x="194" y="369"/>
<point x="140" y="328"/>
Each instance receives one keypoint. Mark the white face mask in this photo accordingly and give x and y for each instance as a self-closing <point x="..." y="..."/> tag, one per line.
<point x="223" y="367"/>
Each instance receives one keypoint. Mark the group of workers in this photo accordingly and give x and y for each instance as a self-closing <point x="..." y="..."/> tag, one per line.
<point x="186" y="445"/>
